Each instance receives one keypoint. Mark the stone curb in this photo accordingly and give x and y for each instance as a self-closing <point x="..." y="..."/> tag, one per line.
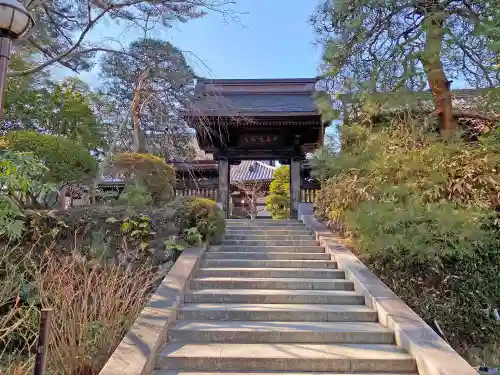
<point x="136" y="353"/>
<point x="433" y="355"/>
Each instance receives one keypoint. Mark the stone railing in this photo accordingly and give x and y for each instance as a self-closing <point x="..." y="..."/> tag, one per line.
<point x="433" y="355"/>
<point x="136" y="353"/>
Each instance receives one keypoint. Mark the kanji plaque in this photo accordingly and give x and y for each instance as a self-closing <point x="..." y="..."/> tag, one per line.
<point x="259" y="139"/>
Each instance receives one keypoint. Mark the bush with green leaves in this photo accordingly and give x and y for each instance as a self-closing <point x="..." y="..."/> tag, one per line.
<point x="278" y="201"/>
<point x="391" y="165"/>
<point x="21" y="182"/>
<point x="66" y="160"/>
<point x="202" y="214"/>
<point x="175" y="246"/>
<point x="423" y="214"/>
<point x="192" y="236"/>
<point x="150" y="171"/>
<point x="134" y="197"/>
<point x="442" y="260"/>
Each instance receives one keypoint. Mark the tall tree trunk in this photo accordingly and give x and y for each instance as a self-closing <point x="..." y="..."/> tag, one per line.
<point x="139" y="139"/>
<point x="135" y="108"/>
<point x="431" y="60"/>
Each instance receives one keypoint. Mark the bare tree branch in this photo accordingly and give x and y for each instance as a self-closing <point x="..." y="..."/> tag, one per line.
<point x="61" y="22"/>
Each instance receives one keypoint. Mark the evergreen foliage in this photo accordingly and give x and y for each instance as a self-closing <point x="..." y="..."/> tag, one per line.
<point x="147" y="170"/>
<point x="278" y="201"/>
<point x="66" y="160"/>
<point x="422" y="213"/>
<point x="408" y="46"/>
<point x="202" y="214"/>
<point x="152" y="84"/>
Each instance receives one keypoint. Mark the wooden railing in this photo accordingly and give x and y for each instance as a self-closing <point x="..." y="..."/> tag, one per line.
<point x="206" y="189"/>
<point x="206" y="193"/>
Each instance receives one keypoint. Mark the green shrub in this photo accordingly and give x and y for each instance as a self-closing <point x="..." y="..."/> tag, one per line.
<point x="422" y="213"/>
<point x="76" y="228"/>
<point x="174" y="246"/>
<point x="148" y="170"/>
<point x="203" y="214"/>
<point x="20" y="181"/>
<point x="411" y="229"/>
<point x="134" y="197"/>
<point x="192" y="236"/>
<point x="390" y="165"/>
<point x="278" y="201"/>
<point x="66" y="160"/>
<point x="458" y="289"/>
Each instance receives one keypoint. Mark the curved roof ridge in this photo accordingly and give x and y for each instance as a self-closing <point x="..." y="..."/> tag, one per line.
<point x="266" y="165"/>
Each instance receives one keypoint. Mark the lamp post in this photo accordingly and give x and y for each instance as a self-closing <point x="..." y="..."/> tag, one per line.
<point x="15" y="22"/>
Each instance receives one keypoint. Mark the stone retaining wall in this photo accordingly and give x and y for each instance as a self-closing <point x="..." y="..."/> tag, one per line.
<point x="137" y="351"/>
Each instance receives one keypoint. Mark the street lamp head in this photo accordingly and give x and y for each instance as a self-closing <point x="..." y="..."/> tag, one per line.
<point x="15" y="21"/>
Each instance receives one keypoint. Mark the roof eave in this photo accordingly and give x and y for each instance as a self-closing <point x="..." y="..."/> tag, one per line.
<point x="198" y="114"/>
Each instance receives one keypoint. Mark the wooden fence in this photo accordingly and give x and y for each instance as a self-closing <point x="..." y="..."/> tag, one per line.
<point x="308" y="191"/>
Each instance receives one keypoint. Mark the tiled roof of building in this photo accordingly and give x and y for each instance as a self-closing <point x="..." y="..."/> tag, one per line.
<point x="254" y="97"/>
<point x="390" y="103"/>
<point x="251" y="171"/>
<point x="423" y="95"/>
<point x="246" y="171"/>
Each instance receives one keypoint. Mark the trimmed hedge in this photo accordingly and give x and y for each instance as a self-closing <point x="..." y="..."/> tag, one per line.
<point x="66" y="160"/>
<point x="148" y="170"/>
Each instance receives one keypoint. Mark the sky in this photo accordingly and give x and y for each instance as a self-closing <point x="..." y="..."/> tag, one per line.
<point x="271" y="39"/>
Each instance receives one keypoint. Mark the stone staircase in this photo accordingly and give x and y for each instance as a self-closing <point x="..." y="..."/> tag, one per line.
<point x="269" y="299"/>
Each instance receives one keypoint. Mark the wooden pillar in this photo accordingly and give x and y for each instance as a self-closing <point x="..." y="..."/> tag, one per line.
<point x="294" y="187"/>
<point x="223" y="197"/>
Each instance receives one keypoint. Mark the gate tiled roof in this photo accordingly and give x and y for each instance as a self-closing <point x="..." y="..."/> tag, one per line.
<point x="251" y="171"/>
<point x="254" y="97"/>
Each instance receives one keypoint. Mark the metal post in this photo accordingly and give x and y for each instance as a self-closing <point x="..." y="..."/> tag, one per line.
<point x="294" y="187"/>
<point x="224" y="184"/>
<point x="43" y="342"/>
<point x="5" y="45"/>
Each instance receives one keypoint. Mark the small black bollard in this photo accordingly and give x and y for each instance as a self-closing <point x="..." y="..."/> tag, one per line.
<point x="43" y="342"/>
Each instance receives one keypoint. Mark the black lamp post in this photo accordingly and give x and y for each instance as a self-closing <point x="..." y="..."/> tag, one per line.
<point x="15" y="22"/>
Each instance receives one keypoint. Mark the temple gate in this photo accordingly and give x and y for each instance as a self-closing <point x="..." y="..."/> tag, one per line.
<point x="257" y="119"/>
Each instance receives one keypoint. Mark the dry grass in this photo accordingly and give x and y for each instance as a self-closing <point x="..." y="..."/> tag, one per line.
<point x="93" y="304"/>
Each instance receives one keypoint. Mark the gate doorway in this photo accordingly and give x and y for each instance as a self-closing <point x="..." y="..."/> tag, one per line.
<point x="257" y="119"/>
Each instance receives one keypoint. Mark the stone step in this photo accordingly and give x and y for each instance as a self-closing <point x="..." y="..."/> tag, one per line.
<point x="175" y="372"/>
<point x="260" y="224"/>
<point x="268" y="255"/>
<point x="264" y="221"/>
<point x="249" y="263"/>
<point x="266" y="237"/>
<point x="270" y="283"/>
<point x="311" y="273"/>
<point x="335" y="297"/>
<point x="284" y="357"/>
<point x="268" y="231"/>
<point x="277" y="312"/>
<point x="266" y="249"/>
<point x="280" y="332"/>
<point x="270" y="242"/>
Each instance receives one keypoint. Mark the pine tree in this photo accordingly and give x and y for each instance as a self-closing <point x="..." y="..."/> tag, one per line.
<point x="411" y="45"/>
